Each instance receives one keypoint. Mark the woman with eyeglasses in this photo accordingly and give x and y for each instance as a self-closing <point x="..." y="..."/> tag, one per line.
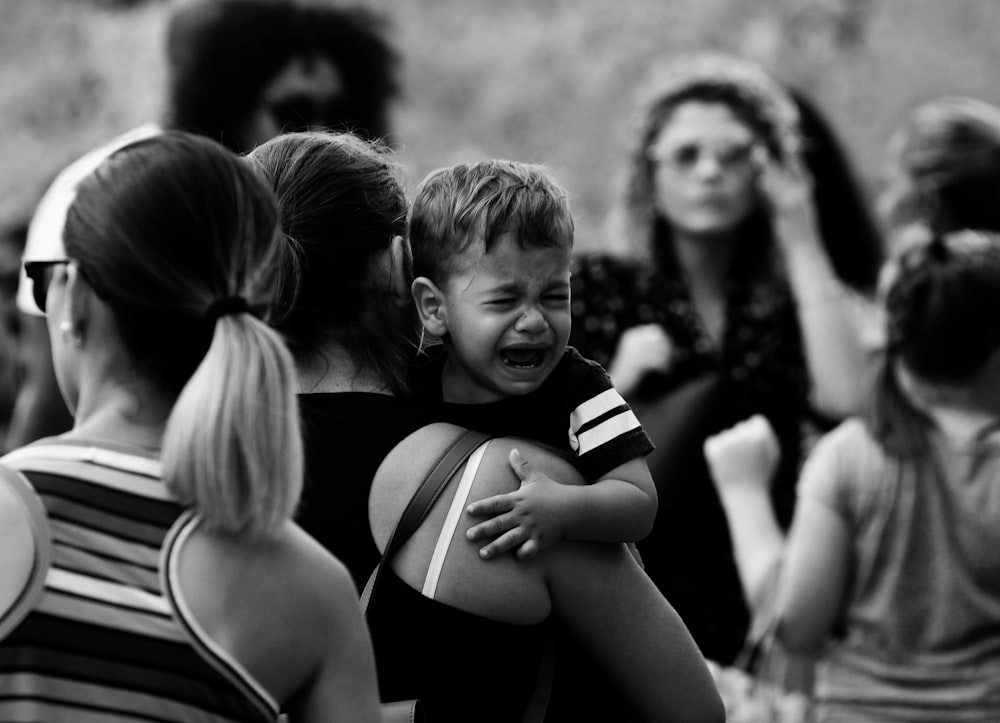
<point x="149" y="565"/>
<point x="726" y="304"/>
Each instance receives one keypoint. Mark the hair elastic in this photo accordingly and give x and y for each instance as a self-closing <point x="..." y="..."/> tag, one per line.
<point x="225" y="306"/>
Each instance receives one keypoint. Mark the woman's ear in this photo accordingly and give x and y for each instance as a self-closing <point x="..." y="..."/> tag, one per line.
<point x="430" y="305"/>
<point x="76" y="303"/>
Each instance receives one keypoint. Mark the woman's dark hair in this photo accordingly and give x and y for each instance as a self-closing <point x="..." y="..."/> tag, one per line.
<point x="163" y="231"/>
<point x="942" y="326"/>
<point x="944" y="167"/>
<point x="847" y="225"/>
<point x="222" y="54"/>
<point x="752" y="96"/>
<point x="342" y="201"/>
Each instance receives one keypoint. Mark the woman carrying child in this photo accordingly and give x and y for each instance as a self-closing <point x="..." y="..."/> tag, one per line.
<point x="470" y="645"/>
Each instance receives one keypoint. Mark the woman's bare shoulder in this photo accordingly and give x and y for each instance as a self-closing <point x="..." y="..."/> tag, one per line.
<point x="410" y="461"/>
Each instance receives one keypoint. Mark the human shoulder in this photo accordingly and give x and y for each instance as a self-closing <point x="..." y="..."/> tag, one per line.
<point x="329" y="580"/>
<point x="844" y="466"/>
<point x="575" y="371"/>
<point x="25" y="547"/>
<point x="213" y="568"/>
<point x="328" y="412"/>
<point x="425" y="374"/>
<point x="852" y="434"/>
<point x="410" y="462"/>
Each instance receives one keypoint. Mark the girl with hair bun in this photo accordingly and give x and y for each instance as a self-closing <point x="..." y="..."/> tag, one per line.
<point x="151" y="549"/>
<point x="890" y="570"/>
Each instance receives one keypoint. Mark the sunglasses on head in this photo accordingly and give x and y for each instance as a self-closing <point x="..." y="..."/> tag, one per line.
<point x="40" y="274"/>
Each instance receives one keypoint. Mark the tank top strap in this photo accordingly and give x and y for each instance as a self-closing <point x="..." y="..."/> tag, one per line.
<point x="451" y="521"/>
<point x="224" y="663"/>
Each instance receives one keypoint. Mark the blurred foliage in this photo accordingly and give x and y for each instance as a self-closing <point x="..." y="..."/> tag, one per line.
<point x="543" y="80"/>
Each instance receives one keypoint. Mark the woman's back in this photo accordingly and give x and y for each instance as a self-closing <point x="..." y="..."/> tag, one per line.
<point x="346" y="436"/>
<point x="108" y="627"/>
<point x="922" y="617"/>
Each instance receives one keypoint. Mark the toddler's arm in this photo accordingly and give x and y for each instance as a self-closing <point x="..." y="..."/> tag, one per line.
<point x="619" y="507"/>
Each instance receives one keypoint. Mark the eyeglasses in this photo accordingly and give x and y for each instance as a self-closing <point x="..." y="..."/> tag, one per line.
<point x="40" y="274"/>
<point x="685" y="157"/>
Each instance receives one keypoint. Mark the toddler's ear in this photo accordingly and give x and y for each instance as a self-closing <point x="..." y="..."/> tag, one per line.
<point x="430" y="305"/>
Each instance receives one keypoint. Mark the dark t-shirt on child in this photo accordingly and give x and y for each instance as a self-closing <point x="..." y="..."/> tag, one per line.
<point x="576" y="411"/>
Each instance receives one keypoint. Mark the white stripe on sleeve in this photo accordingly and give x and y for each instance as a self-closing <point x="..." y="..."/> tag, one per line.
<point x="606" y="431"/>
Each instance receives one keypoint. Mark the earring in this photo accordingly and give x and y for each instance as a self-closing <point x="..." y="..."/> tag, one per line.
<point x="70" y="336"/>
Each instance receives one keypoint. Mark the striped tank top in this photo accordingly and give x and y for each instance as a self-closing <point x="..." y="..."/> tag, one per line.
<point x="102" y="633"/>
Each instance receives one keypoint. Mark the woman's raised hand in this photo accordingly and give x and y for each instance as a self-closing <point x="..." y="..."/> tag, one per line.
<point x="641" y="349"/>
<point x="787" y="188"/>
<point x="743" y="456"/>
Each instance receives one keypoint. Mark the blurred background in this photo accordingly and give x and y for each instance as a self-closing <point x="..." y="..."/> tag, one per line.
<point x="551" y="81"/>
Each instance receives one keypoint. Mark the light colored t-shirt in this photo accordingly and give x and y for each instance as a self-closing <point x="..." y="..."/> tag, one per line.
<point x="921" y="630"/>
<point x="45" y="231"/>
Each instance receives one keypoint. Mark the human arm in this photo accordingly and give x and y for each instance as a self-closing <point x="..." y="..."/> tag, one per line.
<point x="814" y="576"/>
<point x="620" y="507"/>
<point x="813" y="561"/>
<point x="742" y="461"/>
<point x="344" y="687"/>
<point x="835" y="353"/>
<point x="521" y="593"/>
<point x="604" y="600"/>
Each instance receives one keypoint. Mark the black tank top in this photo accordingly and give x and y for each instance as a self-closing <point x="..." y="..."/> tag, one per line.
<point x="462" y="666"/>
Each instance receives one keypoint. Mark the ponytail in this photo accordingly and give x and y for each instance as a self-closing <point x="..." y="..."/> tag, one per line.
<point x="899" y="426"/>
<point x="232" y="448"/>
<point x="180" y="238"/>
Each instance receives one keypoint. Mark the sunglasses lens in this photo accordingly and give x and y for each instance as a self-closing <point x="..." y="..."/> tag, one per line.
<point x="686" y="156"/>
<point x="40" y="275"/>
<point x="39" y="289"/>
<point x="735" y="155"/>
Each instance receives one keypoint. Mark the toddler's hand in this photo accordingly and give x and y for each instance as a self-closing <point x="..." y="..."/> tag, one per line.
<point x="746" y="454"/>
<point x="529" y="519"/>
<point x="641" y="349"/>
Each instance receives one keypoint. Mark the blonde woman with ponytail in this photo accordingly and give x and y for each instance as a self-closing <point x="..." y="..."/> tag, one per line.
<point x="149" y="567"/>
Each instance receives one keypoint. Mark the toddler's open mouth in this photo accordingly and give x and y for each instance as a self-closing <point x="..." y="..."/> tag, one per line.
<point x="523" y="357"/>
